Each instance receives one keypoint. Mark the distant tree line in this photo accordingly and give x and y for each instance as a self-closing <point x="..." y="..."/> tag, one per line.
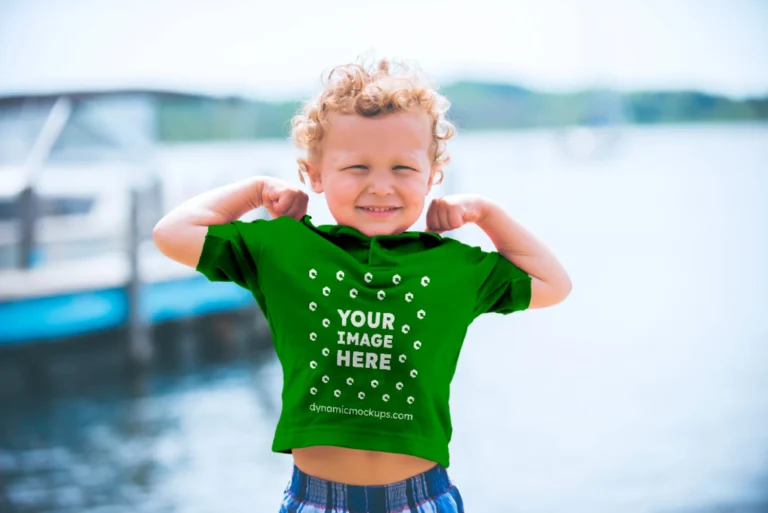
<point x="475" y="106"/>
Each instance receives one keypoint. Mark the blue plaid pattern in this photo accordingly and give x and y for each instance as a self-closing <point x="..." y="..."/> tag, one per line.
<point x="429" y="492"/>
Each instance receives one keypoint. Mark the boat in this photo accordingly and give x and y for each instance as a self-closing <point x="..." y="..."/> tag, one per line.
<point x="80" y="191"/>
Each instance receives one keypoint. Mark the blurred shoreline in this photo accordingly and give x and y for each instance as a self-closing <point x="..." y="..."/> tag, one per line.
<point x="475" y="106"/>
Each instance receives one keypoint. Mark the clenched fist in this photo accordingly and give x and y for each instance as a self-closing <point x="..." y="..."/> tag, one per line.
<point x="452" y="212"/>
<point x="282" y="199"/>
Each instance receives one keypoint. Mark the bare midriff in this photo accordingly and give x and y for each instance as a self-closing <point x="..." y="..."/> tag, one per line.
<point x="357" y="467"/>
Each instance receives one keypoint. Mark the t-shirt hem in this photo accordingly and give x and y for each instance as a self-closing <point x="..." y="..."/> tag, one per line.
<point x="215" y="238"/>
<point x="521" y="297"/>
<point x="420" y="447"/>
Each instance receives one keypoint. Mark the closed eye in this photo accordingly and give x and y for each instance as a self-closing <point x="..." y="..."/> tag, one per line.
<point x="360" y="166"/>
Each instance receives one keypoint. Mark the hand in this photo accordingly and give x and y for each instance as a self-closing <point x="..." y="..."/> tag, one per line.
<point x="282" y="199"/>
<point x="452" y="212"/>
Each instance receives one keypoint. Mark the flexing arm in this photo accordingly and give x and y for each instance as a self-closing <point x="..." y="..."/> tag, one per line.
<point x="180" y="234"/>
<point x="550" y="283"/>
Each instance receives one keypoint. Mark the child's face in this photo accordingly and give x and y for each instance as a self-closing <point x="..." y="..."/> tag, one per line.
<point x="375" y="172"/>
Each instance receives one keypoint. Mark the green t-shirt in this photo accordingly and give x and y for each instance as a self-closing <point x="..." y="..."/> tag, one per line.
<point x="368" y="330"/>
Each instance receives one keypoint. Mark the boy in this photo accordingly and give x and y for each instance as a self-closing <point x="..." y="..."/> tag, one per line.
<point x="367" y="318"/>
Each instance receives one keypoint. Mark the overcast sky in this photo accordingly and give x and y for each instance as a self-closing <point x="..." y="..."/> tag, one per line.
<point x="279" y="48"/>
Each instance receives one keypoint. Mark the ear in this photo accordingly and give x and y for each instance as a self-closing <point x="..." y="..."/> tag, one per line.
<point x="313" y="174"/>
<point x="437" y="172"/>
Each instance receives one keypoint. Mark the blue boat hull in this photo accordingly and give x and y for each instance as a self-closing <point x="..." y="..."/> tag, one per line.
<point x="48" y="318"/>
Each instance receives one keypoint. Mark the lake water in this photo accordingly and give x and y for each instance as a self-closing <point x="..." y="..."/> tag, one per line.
<point x="646" y="391"/>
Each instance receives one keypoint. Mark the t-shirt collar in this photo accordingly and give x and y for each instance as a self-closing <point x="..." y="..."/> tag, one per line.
<point x="339" y="231"/>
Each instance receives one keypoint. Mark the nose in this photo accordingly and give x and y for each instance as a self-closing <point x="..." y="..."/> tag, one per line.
<point x="380" y="183"/>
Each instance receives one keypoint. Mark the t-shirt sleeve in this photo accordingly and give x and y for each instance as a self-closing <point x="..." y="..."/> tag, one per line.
<point x="231" y="252"/>
<point x="501" y="286"/>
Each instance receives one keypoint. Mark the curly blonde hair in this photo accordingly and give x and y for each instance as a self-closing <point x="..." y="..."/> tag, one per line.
<point x="384" y="88"/>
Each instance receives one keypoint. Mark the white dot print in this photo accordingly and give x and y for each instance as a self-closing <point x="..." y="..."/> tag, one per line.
<point x="384" y="295"/>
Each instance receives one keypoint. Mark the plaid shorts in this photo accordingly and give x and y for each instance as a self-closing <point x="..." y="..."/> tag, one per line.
<point x="431" y="491"/>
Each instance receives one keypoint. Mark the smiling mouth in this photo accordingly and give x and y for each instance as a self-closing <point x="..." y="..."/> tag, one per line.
<point x="379" y="210"/>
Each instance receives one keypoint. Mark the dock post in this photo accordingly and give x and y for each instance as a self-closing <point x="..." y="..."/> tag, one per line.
<point x="28" y="210"/>
<point x="140" y="349"/>
<point x="27" y="201"/>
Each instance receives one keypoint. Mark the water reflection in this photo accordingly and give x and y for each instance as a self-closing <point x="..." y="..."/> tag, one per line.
<point x="156" y="443"/>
